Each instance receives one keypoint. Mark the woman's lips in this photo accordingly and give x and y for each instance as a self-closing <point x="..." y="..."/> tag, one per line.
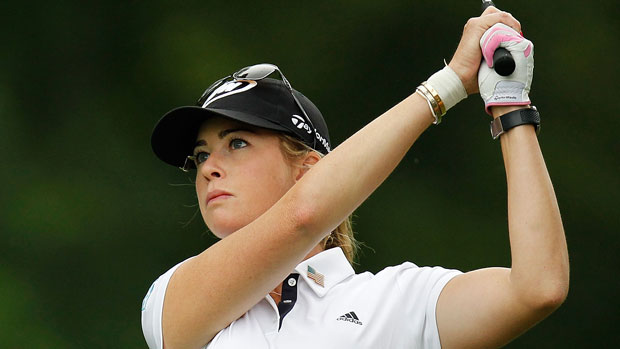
<point x="218" y="198"/>
<point x="217" y="195"/>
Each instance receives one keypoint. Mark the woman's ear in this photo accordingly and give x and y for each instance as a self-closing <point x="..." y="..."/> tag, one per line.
<point x="308" y="161"/>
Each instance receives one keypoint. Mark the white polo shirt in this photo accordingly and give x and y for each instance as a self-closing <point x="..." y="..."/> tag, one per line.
<point x="326" y="305"/>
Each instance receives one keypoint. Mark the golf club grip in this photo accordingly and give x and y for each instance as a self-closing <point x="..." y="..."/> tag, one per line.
<point x="503" y="63"/>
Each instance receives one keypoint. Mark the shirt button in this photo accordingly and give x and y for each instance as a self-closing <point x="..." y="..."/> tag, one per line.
<point x="292" y="282"/>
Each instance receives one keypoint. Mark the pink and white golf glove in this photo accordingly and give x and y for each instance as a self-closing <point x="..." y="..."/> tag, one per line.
<point x="514" y="88"/>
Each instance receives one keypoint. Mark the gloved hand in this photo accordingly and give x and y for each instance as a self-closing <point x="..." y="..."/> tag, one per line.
<point x="505" y="90"/>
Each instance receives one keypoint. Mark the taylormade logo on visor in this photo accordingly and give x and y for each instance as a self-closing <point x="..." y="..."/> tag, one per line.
<point x="229" y="88"/>
<point x="300" y="123"/>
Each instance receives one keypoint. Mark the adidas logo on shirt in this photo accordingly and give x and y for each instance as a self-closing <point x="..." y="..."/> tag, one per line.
<point x="350" y="317"/>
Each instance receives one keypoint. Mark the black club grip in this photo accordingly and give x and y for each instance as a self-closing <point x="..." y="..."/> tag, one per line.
<point x="503" y="63"/>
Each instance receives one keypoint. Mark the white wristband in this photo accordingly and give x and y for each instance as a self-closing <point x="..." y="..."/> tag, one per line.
<point x="449" y="86"/>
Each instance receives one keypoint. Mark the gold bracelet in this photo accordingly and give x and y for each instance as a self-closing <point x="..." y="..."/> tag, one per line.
<point x="428" y="102"/>
<point x="435" y="95"/>
<point x="432" y="103"/>
<point x="431" y="99"/>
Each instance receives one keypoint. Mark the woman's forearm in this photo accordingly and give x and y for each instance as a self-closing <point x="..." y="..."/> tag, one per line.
<point x="540" y="269"/>
<point x="363" y="161"/>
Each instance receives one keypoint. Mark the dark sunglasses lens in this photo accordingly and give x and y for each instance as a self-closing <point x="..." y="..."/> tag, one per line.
<point x="255" y="72"/>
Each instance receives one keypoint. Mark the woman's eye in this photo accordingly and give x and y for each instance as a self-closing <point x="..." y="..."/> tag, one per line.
<point x="238" y="143"/>
<point x="201" y="157"/>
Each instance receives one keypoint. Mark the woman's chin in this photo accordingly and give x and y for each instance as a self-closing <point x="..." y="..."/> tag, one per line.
<point x="223" y="223"/>
<point x="223" y="229"/>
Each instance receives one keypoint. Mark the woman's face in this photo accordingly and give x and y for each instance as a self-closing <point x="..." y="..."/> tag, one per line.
<point x="242" y="174"/>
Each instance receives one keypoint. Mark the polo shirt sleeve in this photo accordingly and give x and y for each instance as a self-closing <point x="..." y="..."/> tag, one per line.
<point x="421" y="287"/>
<point x="152" y="307"/>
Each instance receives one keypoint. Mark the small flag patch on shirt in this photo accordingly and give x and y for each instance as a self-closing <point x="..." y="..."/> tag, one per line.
<point x="316" y="276"/>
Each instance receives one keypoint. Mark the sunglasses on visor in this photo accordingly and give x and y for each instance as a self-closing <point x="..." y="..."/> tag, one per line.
<point x="255" y="73"/>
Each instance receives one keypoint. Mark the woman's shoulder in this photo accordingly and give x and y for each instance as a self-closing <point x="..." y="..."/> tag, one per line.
<point x="165" y="277"/>
<point x="152" y="306"/>
<point x="407" y="275"/>
<point x="405" y="267"/>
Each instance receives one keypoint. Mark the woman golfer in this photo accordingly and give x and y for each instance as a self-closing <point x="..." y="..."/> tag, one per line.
<point x="271" y="187"/>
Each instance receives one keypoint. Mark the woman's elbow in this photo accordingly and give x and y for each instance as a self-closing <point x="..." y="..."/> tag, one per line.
<point x="541" y="292"/>
<point x="557" y="294"/>
<point x="311" y="220"/>
<point x="549" y="296"/>
<point x="305" y="218"/>
<point x="555" y="289"/>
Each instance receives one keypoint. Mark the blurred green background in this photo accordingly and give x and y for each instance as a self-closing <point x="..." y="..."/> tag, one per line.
<point x="89" y="217"/>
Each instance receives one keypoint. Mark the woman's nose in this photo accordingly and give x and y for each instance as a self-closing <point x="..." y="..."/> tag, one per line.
<point x="211" y="168"/>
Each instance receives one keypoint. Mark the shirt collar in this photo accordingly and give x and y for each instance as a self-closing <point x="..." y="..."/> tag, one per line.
<point x="332" y="264"/>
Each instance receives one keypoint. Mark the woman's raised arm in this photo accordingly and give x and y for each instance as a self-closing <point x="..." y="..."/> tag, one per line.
<point x="506" y="302"/>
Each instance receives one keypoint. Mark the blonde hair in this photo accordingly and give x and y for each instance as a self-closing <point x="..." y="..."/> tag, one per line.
<point x="343" y="235"/>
